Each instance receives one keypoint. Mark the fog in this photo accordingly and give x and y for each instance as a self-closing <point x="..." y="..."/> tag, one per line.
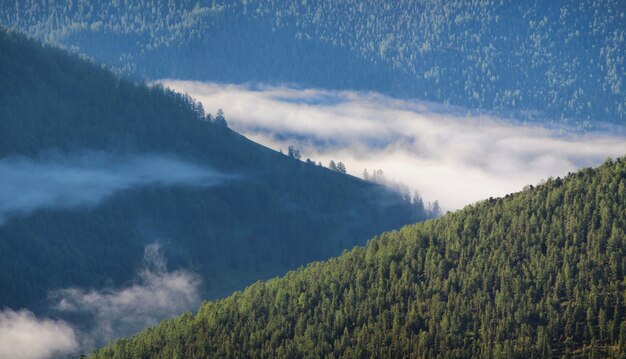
<point x="93" y="317"/>
<point x="443" y="153"/>
<point x="156" y="294"/>
<point x="24" y="336"/>
<point x="86" y="179"/>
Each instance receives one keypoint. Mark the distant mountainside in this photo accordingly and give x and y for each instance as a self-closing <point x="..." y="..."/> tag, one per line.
<point x="538" y="273"/>
<point x="545" y="60"/>
<point x="276" y="213"/>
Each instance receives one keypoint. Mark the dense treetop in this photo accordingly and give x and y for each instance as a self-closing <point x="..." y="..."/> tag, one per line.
<point x="539" y="273"/>
<point x="558" y="59"/>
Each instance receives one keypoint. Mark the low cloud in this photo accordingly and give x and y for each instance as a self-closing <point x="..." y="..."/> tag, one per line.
<point x="155" y="295"/>
<point x="441" y="152"/>
<point x="24" y="336"/>
<point x="28" y="184"/>
<point x="94" y="317"/>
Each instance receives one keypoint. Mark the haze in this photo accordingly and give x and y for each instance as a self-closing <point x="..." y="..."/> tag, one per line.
<point x="440" y="152"/>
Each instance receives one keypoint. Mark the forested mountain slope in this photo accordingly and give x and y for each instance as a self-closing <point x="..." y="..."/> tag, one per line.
<point x="276" y="214"/>
<point x="538" y="273"/>
<point x="536" y="59"/>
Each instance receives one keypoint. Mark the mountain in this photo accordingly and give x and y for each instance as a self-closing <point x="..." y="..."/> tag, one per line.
<point x="557" y="61"/>
<point x="95" y="168"/>
<point x="539" y="273"/>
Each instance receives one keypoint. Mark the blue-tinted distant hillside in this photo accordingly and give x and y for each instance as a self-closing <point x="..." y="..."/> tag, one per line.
<point x="560" y="60"/>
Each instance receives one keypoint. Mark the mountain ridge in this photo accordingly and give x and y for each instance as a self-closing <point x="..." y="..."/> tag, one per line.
<point x="538" y="273"/>
<point x="55" y="105"/>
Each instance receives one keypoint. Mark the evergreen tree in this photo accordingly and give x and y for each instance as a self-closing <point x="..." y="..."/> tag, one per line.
<point x="220" y="119"/>
<point x="293" y="152"/>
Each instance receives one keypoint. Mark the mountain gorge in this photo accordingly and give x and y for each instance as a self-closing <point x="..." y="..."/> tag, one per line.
<point x="539" y="273"/>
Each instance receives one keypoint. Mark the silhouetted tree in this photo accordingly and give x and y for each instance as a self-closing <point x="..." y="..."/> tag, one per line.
<point x="293" y="152"/>
<point x="220" y="119"/>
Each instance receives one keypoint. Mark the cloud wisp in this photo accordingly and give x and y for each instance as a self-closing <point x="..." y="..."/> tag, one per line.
<point x="155" y="295"/>
<point x="441" y="152"/>
<point x="94" y="317"/>
<point x="24" y="336"/>
<point x="86" y="179"/>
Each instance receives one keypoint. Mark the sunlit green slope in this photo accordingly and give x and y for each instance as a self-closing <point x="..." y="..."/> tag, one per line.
<point x="534" y="274"/>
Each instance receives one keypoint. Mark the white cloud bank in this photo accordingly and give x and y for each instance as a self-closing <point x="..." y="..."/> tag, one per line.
<point x="24" y="336"/>
<point x="103" y="315"/>
<point x="86" y="179"/>
<point x="442" y="153"/>
<point x="155" y="295"/>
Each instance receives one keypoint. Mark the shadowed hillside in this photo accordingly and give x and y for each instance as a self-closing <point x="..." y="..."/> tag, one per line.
<point x="269" y="212"/>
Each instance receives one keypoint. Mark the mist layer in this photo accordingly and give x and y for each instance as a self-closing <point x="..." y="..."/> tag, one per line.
<point x="442" y="152"/>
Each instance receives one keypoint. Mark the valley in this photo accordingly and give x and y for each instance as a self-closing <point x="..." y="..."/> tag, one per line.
<point x="312" y="179"/>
